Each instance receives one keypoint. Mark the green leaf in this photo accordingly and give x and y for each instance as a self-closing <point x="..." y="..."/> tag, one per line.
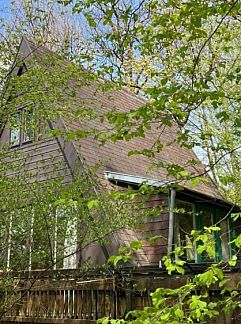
<point x="104" y="320"/>
<point x="237" y="241"/>
<point x="233" y="261"/>
<point x="154" y="238"/>
<point x="196" y="303"/>
<point x="93" y="203"/>
<point x="179" y="313"/>
<point x="90" y="20"/>
<point x="195" y="181"/>
<point x="136" y="245"/>
<point x="115" y="259"/>
<point x="183" y="173"/>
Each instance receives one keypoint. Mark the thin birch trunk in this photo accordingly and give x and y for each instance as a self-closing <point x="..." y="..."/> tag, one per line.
<point x="9" y="241"/>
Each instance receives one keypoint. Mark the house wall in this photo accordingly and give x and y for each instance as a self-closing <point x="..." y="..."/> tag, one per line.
<point x="151" y="253"/>
<point x="156" y="225"/>
<point x="42" y="160"/>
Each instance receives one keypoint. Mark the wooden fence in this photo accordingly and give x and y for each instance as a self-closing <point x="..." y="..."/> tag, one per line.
<point x="53" y="298"/>
<point x="72" y="301"/>
<point x="63" y="296"/>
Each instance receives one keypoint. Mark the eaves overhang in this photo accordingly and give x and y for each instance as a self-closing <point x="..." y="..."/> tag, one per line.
<point x="135" y="180"/>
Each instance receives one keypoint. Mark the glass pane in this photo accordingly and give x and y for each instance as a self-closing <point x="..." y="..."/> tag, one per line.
<point x="28" y="126"/>
<point x="224" y="240"/>
<point x="183" y="227"/>
<point x="235" y="231"/>
<point x="205" y="216"/>
<point x="15" y="130"/>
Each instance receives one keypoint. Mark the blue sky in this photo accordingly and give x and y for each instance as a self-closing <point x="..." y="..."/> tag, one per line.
<point x="4" y="7"/>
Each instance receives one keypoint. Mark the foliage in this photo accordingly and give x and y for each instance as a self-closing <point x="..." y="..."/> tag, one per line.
<point x="183" y="56"/>
<point x="125" y="253"/>
<point x="190" y="302"/>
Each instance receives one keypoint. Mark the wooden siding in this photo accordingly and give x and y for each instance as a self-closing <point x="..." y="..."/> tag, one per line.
<point x="156" y="226"/>
<point x="42" y="160"/>
<point x="151" y="253"/>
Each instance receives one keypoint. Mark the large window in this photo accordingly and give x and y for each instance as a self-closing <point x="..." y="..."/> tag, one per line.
<point x="21" y="129"/>
<point x="196" y="216"/>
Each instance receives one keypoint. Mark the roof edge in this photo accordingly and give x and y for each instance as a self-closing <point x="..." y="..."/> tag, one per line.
<point x="133" y="179"/>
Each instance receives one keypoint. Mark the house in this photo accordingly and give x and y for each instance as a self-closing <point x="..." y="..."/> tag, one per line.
<point x="50" y="157"/>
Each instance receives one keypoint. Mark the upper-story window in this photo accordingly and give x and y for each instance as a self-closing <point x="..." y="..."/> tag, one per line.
<point x="21" y="130"/>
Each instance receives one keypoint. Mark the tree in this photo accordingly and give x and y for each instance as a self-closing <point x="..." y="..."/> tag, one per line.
<point x="45" y="23"/>
<point x="188" y="53"/>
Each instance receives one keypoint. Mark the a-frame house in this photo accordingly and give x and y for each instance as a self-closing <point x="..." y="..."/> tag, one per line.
<point x="49" y="157"/>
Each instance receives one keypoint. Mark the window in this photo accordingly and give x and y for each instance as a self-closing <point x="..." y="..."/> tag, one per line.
<point x="21" y="130"/>
<point x="191" y="216"/>
<point x="184" y="224"/>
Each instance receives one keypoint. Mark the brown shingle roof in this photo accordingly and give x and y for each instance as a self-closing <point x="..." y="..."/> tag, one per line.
<point x="114" y="155"/>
